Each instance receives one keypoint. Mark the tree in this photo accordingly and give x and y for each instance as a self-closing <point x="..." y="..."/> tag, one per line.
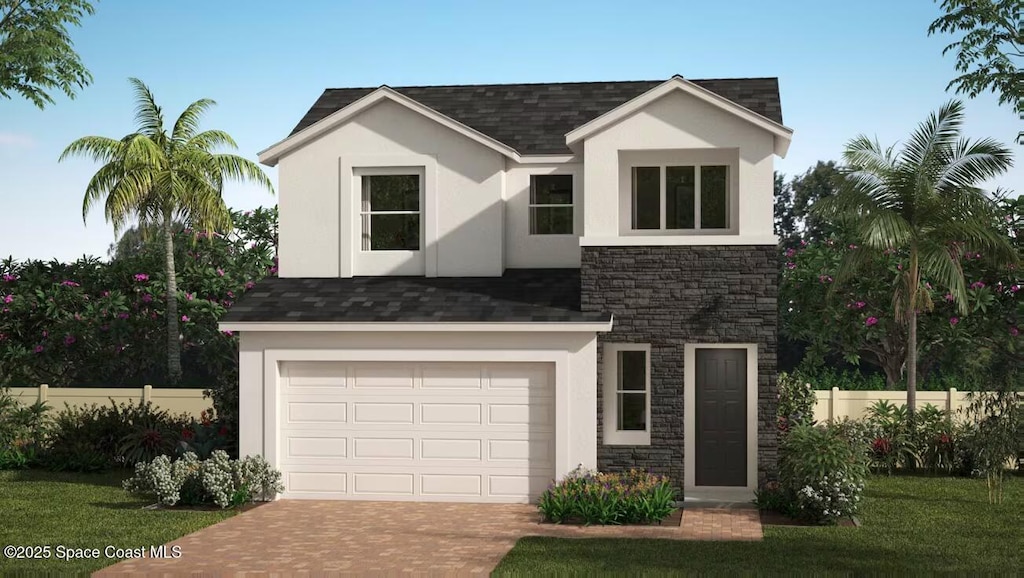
<point x="156" y="179"/>
<point x="785" y="220"/>
<point x="818" y="182"/>
<point x="990" y="56"/>
<point x="36" y="52"/>
<point x="923" y="202"/>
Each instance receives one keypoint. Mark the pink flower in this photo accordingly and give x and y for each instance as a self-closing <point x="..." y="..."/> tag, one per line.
<point x="220" y="272"/>
<point x="1014" y="331"/>
<point x="231" y="294"/>
<point x="859" y="304"/>
<point x="8" y="298"/>
<point x="38" y="349"/>
<point x="78" y="316"/>
<point x="69" y="284"/>
<point x="871" y="321"/>
<point x="105" y="294"/>
<point x="949" y="296"/>
<point x="789" y="265"/>
<point x="147" y="298"/>
<point x="899" y="266"/>
<point x="189" y="296"/>
<point x="977" y="285"/>
<point x="790" y="252"/>
<point x="122" y="316"/>
<point x="1014" y="288"/>
<point x="928" y="285"/>
<point x="184" y="318"/>
<point x="10" y="278"/>
<point x="249" y="285"/>
<point x="273" y="270"/>
<point x="954" y="320"/>
<point x="803" y="243"/>
<point x="228" y="332"/>
<point x="824" y="278"/>
<point x="247" y="213"/>
<point x="68" y="340"/>
<point x="141" y="277"/>
<point x="852" y="246"/>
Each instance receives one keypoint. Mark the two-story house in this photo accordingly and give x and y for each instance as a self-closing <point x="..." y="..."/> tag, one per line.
<point x="482" y="287"/>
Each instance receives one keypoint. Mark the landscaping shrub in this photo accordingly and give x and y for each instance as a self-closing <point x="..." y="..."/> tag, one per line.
<point x="206" y="435"/>
<point x="796" y="401"/>
<point x="95" y="438"/>
<point x="218" y="480"/>
<point x="821" y="472"/>
<point x="586" y="496"/>
<point x="22" y="431"/>
<point x="893" y="443"/>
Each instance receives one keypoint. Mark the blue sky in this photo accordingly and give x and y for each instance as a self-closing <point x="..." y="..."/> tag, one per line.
<point x="844" y="69"/>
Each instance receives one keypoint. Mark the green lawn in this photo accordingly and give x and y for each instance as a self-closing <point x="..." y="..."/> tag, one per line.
<point x="911" y="525"/>
<point x="82" y="511"/>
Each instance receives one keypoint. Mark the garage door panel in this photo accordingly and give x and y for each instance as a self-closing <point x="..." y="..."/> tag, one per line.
<point x="324" y="412"/>
<point x="368" y="412"/>
<point x="428" y="431"/>
<point x="322" y="374"/>
<point x="376" y="376"/>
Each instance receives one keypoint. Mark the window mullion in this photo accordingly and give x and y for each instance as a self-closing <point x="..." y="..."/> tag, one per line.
<point x="696" y="197"/>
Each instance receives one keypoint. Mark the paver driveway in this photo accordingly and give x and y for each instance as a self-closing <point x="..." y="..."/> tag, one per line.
<point x="359" y="538"/>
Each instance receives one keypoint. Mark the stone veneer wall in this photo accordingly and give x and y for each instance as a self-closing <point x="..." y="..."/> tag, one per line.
<point x="672" y="295"/>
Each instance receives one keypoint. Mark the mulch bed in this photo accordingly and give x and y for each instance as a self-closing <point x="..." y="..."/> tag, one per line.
<point x="770" y="518"/>
<point x="674" y="519"/>
<point x="206" y="507"/>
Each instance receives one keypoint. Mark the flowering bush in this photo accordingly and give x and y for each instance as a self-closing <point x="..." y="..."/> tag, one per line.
<point x="218" y="480"/>
<point x="590" y="497"/>
<point x="830" y="497"/>
<point x="796" y="401"/>
<point x="821" y="472"/>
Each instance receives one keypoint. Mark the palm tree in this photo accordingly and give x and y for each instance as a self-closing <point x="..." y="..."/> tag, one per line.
<point x="154" y="179"/>
<point x="923" y="202"/>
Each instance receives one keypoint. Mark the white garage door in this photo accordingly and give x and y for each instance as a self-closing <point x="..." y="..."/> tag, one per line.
<point x="417" y="431"/>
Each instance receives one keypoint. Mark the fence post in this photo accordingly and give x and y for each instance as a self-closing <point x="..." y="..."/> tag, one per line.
<point x="949" y="400"/>
<point x="147" y="393"/>
<point x="832" y="405"/>
<point x="44" y="392"/>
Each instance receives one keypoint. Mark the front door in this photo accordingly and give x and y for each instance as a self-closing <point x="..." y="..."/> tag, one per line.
<point x="721" y="412"/>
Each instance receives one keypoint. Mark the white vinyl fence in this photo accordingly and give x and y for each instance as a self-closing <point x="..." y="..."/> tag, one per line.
<point x="835" y="403"/>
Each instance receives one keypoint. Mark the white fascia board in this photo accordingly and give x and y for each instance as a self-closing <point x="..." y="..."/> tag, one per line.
<point x="390" y="326"/>
<point x="272" y="154"/>
<point x="783" y="134"/>
<point x="549" y="159"/>
<point x="678" y="240"/>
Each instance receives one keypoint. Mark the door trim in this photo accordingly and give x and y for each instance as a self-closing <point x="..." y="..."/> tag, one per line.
<point x="690" y="420"/>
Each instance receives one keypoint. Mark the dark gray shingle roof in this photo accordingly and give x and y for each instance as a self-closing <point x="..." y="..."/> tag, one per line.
<point x="534" y="118"/>
<point x="520" y="295"/>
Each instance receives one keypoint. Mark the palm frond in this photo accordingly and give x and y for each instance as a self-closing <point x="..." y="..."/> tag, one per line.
<point x="969" y="163"/>
<point x="211" y="139"/>
<point x="187" y="124"/>
<point x="940" y="130"/>
<point x="941" y="264"/>
<point x="148" y="115"/>
<point x="99" y="149"/>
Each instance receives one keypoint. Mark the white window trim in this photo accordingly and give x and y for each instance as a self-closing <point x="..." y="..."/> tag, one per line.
<point x="613" y="435"/>
<point x="663" y="181"/>
<point x="381" y="172"/>
<point x="690" y="422"/>
<point x="530" y="205"/>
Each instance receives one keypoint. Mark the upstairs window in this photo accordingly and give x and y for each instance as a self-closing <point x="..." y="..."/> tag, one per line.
<point x="390" y="212"/>
<point x="551" y="205"/>
<point x="680" y="198"/>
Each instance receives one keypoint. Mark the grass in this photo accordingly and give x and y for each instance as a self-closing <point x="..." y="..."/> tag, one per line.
<point x="83" y="511"/>
<point x="911" y="525"/>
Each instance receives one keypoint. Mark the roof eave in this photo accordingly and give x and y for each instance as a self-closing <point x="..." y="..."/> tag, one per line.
<point x="272" y="154"/>
<point x="443" y="326"/>
<point x="783" y="134"/>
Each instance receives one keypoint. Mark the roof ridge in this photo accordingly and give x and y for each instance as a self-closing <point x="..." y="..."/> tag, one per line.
<point x="501" y="84"/>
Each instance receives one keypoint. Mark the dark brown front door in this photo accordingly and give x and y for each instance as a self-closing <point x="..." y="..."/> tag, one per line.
<point x="721" y="388"/>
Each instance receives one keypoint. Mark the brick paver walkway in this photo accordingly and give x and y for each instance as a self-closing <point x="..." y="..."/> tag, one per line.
<point x="367" y="538"/>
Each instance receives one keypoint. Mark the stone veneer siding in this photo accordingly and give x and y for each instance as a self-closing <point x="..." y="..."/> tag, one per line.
<point x="672" y="295"/>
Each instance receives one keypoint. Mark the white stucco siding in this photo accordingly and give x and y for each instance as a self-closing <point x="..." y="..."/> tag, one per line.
<point x="674" y="123"/>
<point x="523" y="250"/>
<point x="461" y="213"/>
<point x="573" y="355"/>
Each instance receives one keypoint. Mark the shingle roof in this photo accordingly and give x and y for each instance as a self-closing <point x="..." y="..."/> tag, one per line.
<point x="520" y="295"/>
<point x="534" y="118"/>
